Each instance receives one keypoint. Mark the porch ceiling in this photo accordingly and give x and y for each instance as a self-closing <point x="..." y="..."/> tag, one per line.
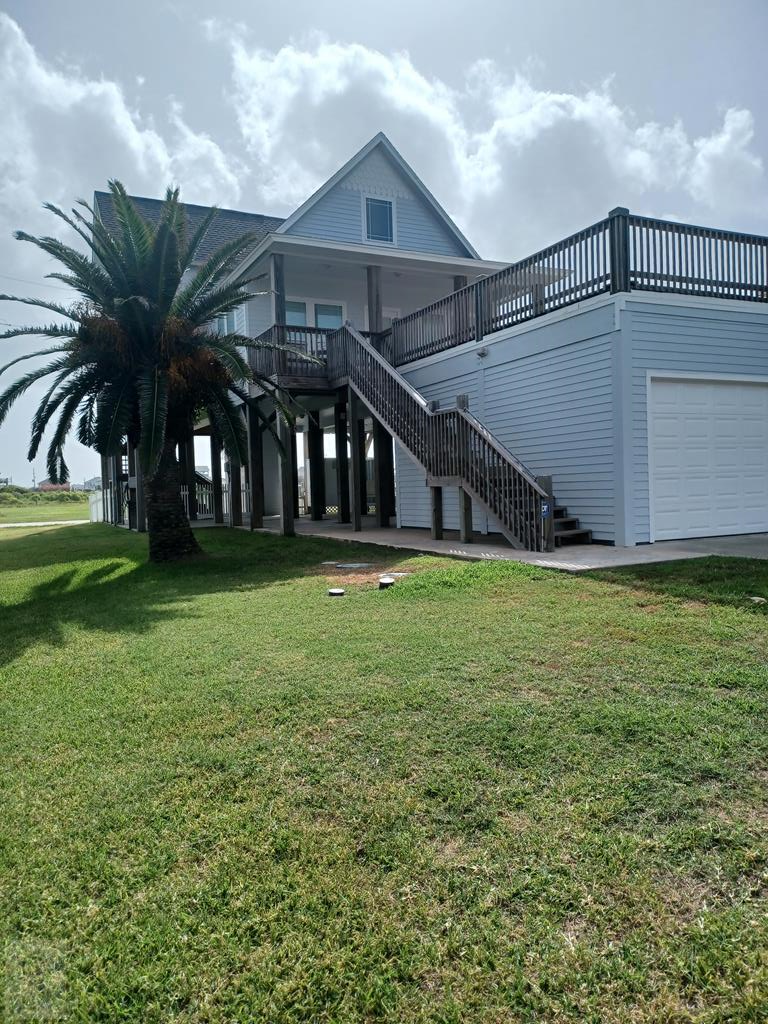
<point x="360" y="255"/>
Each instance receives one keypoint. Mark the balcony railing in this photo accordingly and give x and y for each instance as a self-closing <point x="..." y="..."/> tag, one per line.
<point x="622" y="253"/>
<point x="285" y="349"/>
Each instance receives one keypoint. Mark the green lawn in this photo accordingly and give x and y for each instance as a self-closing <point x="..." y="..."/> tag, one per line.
<point x="491" y="794"/>
<point x="44" y="511"/>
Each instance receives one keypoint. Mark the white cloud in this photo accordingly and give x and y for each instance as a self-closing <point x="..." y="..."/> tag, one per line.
<point x="518" y="165"/>
<point x="65" y="134"/>
<point x="515" y="163"/>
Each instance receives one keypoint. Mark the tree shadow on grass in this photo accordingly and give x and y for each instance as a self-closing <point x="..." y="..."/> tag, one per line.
<point x="124" y="594"/>
<point x="714" y="580"/>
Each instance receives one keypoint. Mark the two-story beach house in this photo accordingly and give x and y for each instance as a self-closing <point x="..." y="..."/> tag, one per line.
<point x="613" y="386"/>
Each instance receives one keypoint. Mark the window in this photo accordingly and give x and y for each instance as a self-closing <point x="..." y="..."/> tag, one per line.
<point x="328" y="316"/>
<point x="296" y="314"/>
<point x="378" y="220"/>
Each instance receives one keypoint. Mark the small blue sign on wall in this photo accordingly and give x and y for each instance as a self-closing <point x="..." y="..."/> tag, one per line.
<point x="545" y="510"/>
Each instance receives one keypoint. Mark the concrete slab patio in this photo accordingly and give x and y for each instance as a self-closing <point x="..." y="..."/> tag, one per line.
<point x="578" y="558"/>
<point x="47" y="522"/>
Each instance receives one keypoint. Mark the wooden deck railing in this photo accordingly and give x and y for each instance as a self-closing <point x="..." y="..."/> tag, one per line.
<point x="571" y="270"/>
<point x="663" y="256"/>
<point x="451" y="445"/>
<point x="285" y="350"/>
<point x="622" y="253"/>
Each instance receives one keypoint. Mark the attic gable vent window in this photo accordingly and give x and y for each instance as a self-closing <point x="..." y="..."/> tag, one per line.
<point x="378" y="220"/>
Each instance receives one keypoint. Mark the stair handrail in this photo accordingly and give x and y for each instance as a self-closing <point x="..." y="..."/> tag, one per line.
<point x="517" y="500"/>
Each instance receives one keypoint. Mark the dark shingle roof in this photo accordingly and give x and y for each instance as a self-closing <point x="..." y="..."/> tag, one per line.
<point x="227" y="225"/>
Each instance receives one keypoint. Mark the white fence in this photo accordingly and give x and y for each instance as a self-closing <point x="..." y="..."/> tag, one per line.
<point x="96" y="506"/>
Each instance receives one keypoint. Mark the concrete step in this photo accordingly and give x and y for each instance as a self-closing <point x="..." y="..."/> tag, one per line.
<point x="575" y="536"/>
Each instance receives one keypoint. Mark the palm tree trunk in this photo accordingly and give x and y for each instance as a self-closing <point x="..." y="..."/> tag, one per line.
<point x="170" y="535"/>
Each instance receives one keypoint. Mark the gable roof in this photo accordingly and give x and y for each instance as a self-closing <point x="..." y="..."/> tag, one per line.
<point x="227" y="225"/>
<point x="381" y="140"/>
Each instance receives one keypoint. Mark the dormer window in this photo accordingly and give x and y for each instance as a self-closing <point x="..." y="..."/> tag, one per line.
<point x="379" y="221"/>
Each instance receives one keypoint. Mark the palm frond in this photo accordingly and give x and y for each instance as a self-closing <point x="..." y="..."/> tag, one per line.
<point x="227" y="420"/>
<point x="113" y="417"/>
<point x="53" y="307"/>
<point x="57" y="467"/>
<point x="48" y="406"/>
<point x="86" y="424"/>
<point x="19" y="387"/>
<point x="215" y="268"/>
<point x="42" y="331"/>
<point x="226" y="354"/>
<point x="33" y="355"/>
<point x="188" y="251"/>
<point x="135" y="233"/>
<point x="153" y="414"/>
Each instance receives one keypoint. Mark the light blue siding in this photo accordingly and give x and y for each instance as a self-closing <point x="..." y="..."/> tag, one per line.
<point x="547" y="394"/>
<point x="684" y="339"/>
<point x="412" y="491"/>
<point x="258" y="315"/>
<point x="554" y="411"/>
<point x="337" y="217"/>
<point x="419" y="230"/>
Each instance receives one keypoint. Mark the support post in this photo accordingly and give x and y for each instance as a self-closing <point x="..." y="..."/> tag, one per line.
<point x="548" y="513"/>
<point x="537" y="298"/>
<point x="104" y="489"/>
<point x="255" y="468"/>
<point x="285" y="432"/>
<point x="362" y="497"/>
<point x="141" y="504"/>
<point x="479" y="290"/>
<point x="459" y="282"/>
<point x="218" y="502"/>
<point x="375" y="314"/>
<point x="116" y="461"/>
<point x="357" y="453"/>
<point x="436" y="501"/>
<point x="235" y="494"/>
<point x="465" y="517"/>
<point x="342" y="460"/>
<point x="186" y="454"/>
<point x="316" y="453"/>
<point x="383" y="467"/>
<point x="618" y="230"/>
<point x="277" y="266"/>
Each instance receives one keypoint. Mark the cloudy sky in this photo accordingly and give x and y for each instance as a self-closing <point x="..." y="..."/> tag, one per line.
<point x="527" y="120"/>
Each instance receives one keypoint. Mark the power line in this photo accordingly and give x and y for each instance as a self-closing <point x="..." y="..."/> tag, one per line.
<point x="24" y="280"/>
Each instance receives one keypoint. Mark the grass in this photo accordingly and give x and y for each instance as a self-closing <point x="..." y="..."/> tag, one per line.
<point x="43" y="512"/>
<point x="492" y="793"/>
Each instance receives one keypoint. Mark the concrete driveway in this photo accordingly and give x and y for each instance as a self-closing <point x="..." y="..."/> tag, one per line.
<point x="576" y="558"/>
<point x="749" y="545"/>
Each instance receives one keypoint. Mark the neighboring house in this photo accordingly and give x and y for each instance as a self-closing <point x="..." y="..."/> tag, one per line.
<point x="46" y="485"/>
<point x="622" y="372"/>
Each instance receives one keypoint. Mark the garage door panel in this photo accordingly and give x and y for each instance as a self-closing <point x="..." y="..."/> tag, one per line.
<point x="709" y="457"/>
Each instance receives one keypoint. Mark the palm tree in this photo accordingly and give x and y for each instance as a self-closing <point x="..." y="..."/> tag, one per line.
<point x="140" y="356"/>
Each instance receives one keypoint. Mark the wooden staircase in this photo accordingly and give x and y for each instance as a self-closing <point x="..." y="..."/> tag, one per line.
<point x="451" y="445"/>
<point x="568" y="530"/>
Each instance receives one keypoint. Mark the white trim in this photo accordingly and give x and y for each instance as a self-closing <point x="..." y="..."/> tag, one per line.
<point x="364" y="197"/>
<point x="683" y="375"/>
<point x="355" y="253"/>
<point x="379" y="139"/>
<point x="310" y="304"/>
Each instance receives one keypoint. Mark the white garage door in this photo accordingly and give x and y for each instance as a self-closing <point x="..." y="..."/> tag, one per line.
<point x="709" y="458"/>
